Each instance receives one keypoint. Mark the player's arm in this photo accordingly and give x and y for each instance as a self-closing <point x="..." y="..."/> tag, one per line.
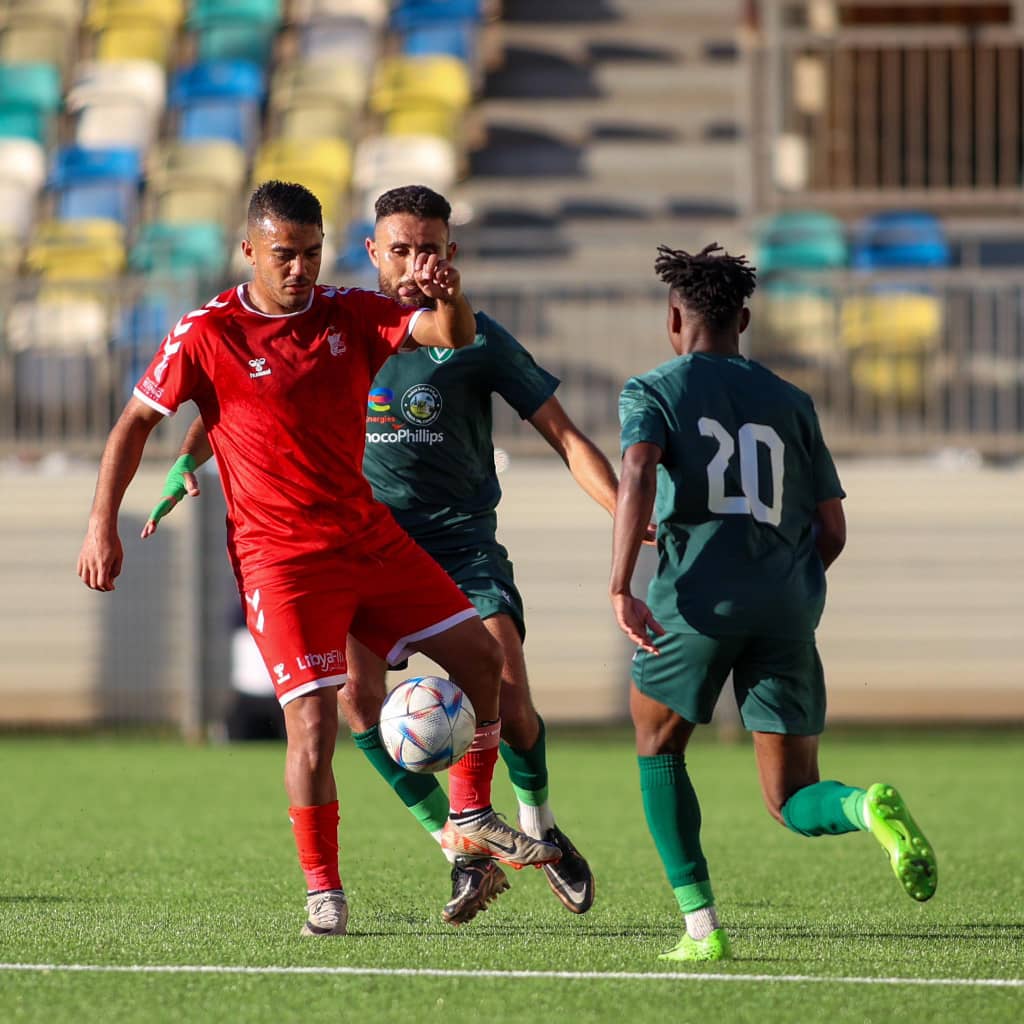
<point x="587" y="463"/>
<point x="829" y="530"/>
<point x="181" y="477"/>
<point x="99" y="561"/>
<point x="451" y="324"/>
<point x="633" y="509"/>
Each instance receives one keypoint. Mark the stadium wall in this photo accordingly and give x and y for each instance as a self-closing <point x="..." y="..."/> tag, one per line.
<point x="922" y="622"/>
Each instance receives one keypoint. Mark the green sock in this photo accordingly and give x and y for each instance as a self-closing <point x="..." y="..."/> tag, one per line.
<point x="421" y="793"/>
<point x="673" y="818"/>
<point x="825" y="808"/>
<point x="528" y="770"/>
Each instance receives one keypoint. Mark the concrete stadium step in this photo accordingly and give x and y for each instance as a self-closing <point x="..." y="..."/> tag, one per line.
<point x="587" y="12"/>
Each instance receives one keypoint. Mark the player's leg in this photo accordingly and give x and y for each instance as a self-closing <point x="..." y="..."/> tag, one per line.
<point x="412" y="605"/>
<point x="524" y="751"/>
<point x="289" y="624"/>
<point x="471" y="657"/>
<point x="781" y="691"/>
<point x="476" y="882"/>
<point x="671" y="693"/>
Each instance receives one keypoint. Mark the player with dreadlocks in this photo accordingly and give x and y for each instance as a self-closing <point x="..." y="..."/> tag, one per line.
<point x="749" y="511"/>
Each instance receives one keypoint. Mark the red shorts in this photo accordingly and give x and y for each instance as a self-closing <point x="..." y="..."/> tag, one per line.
<point x="387" y="600"/>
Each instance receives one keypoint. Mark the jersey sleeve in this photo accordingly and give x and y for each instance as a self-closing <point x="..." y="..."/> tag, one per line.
<point x="826" y="477"/>
<point x="385" y="324"/>
<point x="515" y="373"/>
<point x="641" y="416"/>
<point x="176" y="372"/>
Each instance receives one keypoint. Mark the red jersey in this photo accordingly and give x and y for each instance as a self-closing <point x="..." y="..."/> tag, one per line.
<point x="283" y="399"/>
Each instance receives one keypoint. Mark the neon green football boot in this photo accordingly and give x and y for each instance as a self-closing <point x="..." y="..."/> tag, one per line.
<point x="911" y="856"/>
<point x="714" y="947"/>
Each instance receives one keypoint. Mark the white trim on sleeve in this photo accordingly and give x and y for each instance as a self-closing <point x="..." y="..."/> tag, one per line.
<point x="146" y="400"/>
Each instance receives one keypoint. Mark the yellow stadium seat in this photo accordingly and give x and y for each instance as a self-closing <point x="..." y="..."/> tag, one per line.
<point x="424" y="119"/>
<point x="891" y="337"/>
<point x="324" y="166"/>
<point x="440" y="81"/>
<point x="142" y="41"/>
<point x="316" y="120"/>
<point x="77" y="250"/>
<point x="105" y="13"/>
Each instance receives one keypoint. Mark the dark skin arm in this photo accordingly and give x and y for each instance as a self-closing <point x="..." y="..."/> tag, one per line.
<point x="633" y="509"/>
<point x="830" y="533"/>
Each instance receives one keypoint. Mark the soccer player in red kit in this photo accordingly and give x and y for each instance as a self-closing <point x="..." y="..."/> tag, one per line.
<point x="280" y="368"/>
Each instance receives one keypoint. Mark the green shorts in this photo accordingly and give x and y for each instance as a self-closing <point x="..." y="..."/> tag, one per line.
<point x="779" y="682"/>
<point x="484" y="575"/>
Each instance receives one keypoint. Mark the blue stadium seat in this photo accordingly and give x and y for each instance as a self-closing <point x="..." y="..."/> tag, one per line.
<point x="456" y="39"/>
<point x="897" y="239"/>
<point x="409" y="14"/>
<point x="97" y="183"/>
<point x="219" y="100"/>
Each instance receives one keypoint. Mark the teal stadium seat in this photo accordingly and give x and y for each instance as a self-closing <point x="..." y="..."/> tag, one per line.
<point x="235" y="29"/>
<point x="178" y="250"/>
<point x="800" y="240"/>
<point x="30" y="96"/>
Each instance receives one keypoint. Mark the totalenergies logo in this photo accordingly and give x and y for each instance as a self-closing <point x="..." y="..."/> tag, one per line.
<point x="380" y="399"/>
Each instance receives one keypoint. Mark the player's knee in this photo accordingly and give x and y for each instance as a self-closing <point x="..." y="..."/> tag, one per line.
<point x="312" y="727"/>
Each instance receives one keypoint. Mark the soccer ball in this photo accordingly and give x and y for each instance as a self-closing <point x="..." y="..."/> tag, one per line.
<point x="427" y="724"/>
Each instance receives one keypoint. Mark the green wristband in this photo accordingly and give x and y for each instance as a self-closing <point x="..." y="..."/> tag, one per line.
<point x="174" y="486"/>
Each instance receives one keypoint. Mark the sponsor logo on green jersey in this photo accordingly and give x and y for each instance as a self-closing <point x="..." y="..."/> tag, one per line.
<point x="421" y="405"/>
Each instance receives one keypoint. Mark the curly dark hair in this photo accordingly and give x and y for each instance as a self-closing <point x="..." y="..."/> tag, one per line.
<point x="712" y="284"/>
<point x="418" y="200"/>
<point x="285" y="200"/>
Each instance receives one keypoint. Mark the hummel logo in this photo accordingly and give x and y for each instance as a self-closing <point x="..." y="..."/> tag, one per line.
<point x="258" y="368"/>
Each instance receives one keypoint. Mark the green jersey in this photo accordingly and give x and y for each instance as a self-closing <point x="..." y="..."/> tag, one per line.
<point x="743" y="468"/>
<point x="429" y="453"/>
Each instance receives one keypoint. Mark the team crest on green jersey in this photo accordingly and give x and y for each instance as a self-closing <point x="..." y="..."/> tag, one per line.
<point x="421" y="405"/>
<point x="440" y="355"/>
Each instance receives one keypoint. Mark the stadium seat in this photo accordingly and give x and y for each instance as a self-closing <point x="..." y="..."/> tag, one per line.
<point x="409" y="82"/>
<point x="219" y="100"/>
<point x="135" y="29"/>
<point x="318" y="119"/>
<point x="408" y="14"/>
<point x="117" y="103"/>
<point x="324" y="166"/>
<point x="195" y="249"/>
<point x="373" y="12"/>
<point x="343" y="40"/>
<point x="69" y="320"/>
<point x="897" y="239"/>
<point x="145" y="80"/>
<point x="800" y="240"/>
<point x="80" y="250"/>
<point x="30" y="96"/>
<point x="307" y="82"/>
<point x="184" y="164"/>
<point x="17" y="214"/>
<point x="37" y="36"/>
<point x="97" y="183"/>
<point x="454" y="39"/>
<point x="23" y="161"/>
<point x="385" y="161"/>
<point x="235" y="29"/>
<point x="188" y="203"/>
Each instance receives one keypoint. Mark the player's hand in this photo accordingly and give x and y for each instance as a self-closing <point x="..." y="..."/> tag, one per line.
<point x="99" y="561"/>
<point x="181" y="480"/>
<point x="651" y="534"/>
<point x="437" y="278"/>
<point x="636" y="621"/>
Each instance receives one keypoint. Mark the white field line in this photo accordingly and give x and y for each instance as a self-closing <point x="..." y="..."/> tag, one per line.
<point x="431" y="972"/>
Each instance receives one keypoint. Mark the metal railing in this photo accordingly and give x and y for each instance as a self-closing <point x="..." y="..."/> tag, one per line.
<point x="861" y="116"/>
<point x="896" y="362"/>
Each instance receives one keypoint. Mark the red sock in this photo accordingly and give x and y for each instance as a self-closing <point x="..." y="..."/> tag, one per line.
<point x="469" y="781"/>
<point x="316" y="836"/>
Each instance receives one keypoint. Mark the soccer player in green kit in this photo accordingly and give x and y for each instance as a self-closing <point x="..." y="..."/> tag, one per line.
<point x="749" y="510"/>
<point x="429" y="456"/>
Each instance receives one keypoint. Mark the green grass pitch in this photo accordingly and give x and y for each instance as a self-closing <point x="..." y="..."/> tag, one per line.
<point x="145" y="853"/>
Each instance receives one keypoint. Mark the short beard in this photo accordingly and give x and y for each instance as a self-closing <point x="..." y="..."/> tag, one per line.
<point x="421" y="302"/>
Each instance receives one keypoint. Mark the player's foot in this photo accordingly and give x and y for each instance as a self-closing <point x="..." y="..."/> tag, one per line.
<point x="489" y="836"/>
<point x="911" y="856"/>
<point x="570" y="878"/>
<point x="475" y="883"/>
<point x="714" y="947"/>
<point x="326" y="913"/>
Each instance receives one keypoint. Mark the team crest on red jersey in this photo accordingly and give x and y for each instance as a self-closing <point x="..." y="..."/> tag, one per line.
<point x="337" y="343"/>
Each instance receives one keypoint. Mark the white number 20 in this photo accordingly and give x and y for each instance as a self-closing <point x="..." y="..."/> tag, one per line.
<point x="749" y="502"/>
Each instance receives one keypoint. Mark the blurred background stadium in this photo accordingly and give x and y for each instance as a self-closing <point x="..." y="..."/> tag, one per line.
<point x="869" y="156"/>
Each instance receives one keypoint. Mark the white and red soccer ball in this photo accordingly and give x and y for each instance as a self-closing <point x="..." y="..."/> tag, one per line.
<point x="427" y="724"/>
